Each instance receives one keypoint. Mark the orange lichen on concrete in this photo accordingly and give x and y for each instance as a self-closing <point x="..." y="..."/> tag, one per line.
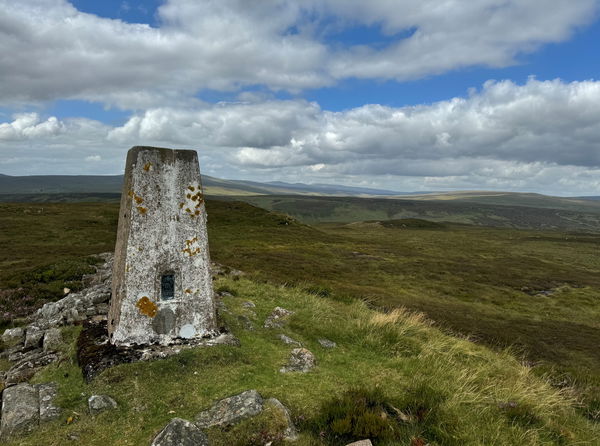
<point x="188" y="291"/>
<point x="147" y="167"/>
<point x="190" y="249"/>
<point x="137" y="198"/>
<point x="192" y="188"/>
<point x="147" y="307"/>
<point x="142" y="210"/>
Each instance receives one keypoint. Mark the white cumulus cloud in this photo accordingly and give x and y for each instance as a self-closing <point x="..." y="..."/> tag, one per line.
<point x="51" y="50"/>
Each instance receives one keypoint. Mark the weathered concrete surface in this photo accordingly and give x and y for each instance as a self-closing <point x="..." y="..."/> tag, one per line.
<point x="162" y="232"/>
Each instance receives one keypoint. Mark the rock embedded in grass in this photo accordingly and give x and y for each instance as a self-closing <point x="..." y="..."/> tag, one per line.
<point x="326" y="343"/>
<point x="361" y="443"/>
<point x="100" y="403"/>
<point x="289" y="433"/>
<point x="52" y="339"/>
<point x="27" y="364"/>
<point x="278" y="318"/>
<point x="230" y="410"/>
<point x="33" y="336"/>
<point x="180" y="432"/>
<point x="25" y="406"/>
<point x="13" y="336"/>
<point x="287" y="340"/>
<point x="301" y="360"/>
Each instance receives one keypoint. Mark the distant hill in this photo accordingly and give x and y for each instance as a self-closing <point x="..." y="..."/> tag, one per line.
<point x="85" y="184"/>
<point x="514" y="199"/>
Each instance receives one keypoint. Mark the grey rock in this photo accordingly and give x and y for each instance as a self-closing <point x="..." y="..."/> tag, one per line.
<point x="301" y="360"/>
<point x="290" y="433"/>
<point x="19" y="354"/>
<point x="287" y="340"/>
<point x="52" y="339"/>
<point x="20" y="410"/>
<point x="180" y="432"/>
<point x="47" y="395"/>
<point x="361" y="443"/>
<point x="13" y="336"/>
<point x="15" y="350"/>
<point x="278" y="318"/>
<point x="230" y="410"/>
<point x="28" y="365"/>
<point x="99" y="296"/>
<point x="25" y="406"/>
<point x="102" y="308"/>
<point x="100" y="403"/>
<point x="326" y="343"/>
<point x="249" y="304"/>
<point x="33" y="336"/>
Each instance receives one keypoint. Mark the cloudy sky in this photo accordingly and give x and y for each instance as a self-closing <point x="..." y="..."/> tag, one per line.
<point x="399" y="94"/>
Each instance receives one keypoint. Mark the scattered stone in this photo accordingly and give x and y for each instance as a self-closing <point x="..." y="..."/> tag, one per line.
<point x="13" y="336"/>
<point x="278" y="318"/>
<point x="249" y="304"/>
<point x="28" y="365"/>
<point x="73" y="436"/>
<point x="180" y="432"/>
<point x="47" y="395"/>
<point x="33" y="336"/>
<point x="326" y="343"/>
<point x="20" y="410"/>
<point x="290" y="433"/>
<point x="52" y="339"/>
<point x="231" y="410"/>
<point x="361" y="443"/>
<point x="301" y="360"/>
<point x="100" y="403"/>
<point x="287" y="340"/>
<point x="73" y="307"/>
<point x="24" y="406"/>
<point x="66" y="290"/>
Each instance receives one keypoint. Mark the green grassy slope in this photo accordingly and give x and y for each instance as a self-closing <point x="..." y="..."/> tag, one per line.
<point x="448" y="391"/>
<point x="515" y="199"/>
<point x="534" y="290"/>
<point x="549" y="213"/>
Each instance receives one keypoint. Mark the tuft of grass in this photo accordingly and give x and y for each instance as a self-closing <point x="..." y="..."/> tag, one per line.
<point x="357" y="414"/>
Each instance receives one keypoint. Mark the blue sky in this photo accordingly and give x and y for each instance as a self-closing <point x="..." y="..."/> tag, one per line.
<point x="406" y="95"/>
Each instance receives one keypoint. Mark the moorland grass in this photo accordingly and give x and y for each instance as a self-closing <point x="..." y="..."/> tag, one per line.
<point x="432" y="387"/>
<point x="536" y="292"/>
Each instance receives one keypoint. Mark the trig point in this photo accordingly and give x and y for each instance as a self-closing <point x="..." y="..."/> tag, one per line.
<point x="162" y="286"/>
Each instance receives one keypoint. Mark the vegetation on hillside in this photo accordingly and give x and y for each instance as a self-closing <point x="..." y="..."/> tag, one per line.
<point x="534" y="291"/>
<point x="508" y="211"/>
<point x="392" y="377"/>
